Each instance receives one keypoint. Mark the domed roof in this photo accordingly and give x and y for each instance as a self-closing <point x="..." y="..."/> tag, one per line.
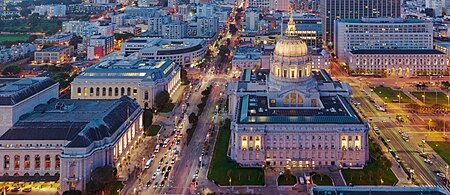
<point x="291" y="46"/>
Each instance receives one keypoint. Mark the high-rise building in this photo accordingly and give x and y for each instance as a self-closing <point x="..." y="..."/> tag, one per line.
<point x="251" y="20"/>
<point x="381" y="34"/>
<point x="330" y="10"/>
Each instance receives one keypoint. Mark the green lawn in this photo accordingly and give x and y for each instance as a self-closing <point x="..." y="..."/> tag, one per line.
<point x="287" y="181"/>
<point x="390" y="95"/>
<point x="117" y="187"/>
<point x="42" y="25"/>
<point x="442" y="148"/>
<point x="324" y="181"/>
<point x="362" y="176"/>
<point x="18" y="37"/>
<point x="168" y="108"/>
<point x="222" y="166"/>
<point x="375" y="152"/>
<point x="154" y="129"/>
<point x="430" y="97"/>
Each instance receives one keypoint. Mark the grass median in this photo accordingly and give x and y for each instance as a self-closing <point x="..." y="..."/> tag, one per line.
<point x="287" y="180"/>
<point x="432" y="97"/>
<point x="390" y="95"/>
<point x="222" y="167"/>
<point x="442" y="148"/>
<point x="322" y="180"/>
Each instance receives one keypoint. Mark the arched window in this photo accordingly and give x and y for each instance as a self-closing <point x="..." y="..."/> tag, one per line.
<point x="85" y="91"/>
<point x="6" y="161"/>
<point x="47" y="161"/>
<point x="79" y="90"/>
<point x="27" y="162"/>
<point x="293" y="97"/>
<point x="57" y="161"/>
<point x="122" y="91"/>
<point x="110" y="91"/>
<point x="128" y="91"/>
<point x="91" y="91"/>
<point x="104" y="91"/>
<point x="116" y="91"/>
<point x="146" y="95"/>
<point x="37" y="161"/>
<point x="16" y="161"/>
<point x="97" y="91"/>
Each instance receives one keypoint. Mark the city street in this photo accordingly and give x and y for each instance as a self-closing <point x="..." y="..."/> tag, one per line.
<point x="415" y="126"/>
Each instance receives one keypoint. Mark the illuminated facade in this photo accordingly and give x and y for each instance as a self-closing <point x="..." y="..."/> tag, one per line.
<point x="140" y="80"/>
<point x="67" y="139"/>
<point x="293" y="115"/>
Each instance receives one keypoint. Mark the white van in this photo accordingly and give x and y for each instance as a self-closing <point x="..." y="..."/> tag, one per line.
<point x="166" y="142"/>
<point x="157" y="148"/>
<point x="149" y="162"/>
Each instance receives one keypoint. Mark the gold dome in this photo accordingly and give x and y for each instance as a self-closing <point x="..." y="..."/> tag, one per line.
<point x="292" y="47"/>
<point x="290" y="44"/>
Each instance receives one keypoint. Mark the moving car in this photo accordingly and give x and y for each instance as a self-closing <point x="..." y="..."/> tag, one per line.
<point x="26" y="190"/>
<point x="155" y="185"/>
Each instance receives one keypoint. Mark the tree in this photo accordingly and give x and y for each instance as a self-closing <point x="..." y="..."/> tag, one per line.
<point x="25" y="12"/>
<point x="33" y="20"/>
<point x="101" y="178"/>
<point x="32" y="38"/>
<point x="184" y="79"/>
<point x="233" y="29"/>
<point x="123" y="36"/>
<point x="192" y="118"/>
<point x="223" y="52"/>
<point x="230" y="174"/>
<point x="287" y="174"/>
<point x="161" y="100"/>
<point x="352" y="174"/>
<point x="75" y="40"/>
<point x="361" y="175"/>
<point x="321" y="176"/>
<point x="370" y="174"/>
<point x="61" y="78"/>
<point x="11" y="70"/>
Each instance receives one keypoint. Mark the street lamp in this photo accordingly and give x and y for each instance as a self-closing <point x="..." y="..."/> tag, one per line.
<point x="429" y="126"/>
<point x="423" y="97"/>
<point x="448" y="102"/>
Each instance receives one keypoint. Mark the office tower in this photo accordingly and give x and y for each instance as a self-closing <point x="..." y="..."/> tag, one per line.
<point x="331" y="10"/>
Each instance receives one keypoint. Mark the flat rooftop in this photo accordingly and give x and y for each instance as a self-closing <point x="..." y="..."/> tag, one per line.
<point x="54" y="49"/>
<point x="78" y="121"/>
<point x="255" y="109"/>
<point x="386" y="20"/>
<point x="395" y="51"/>
<point x="13" y="91"/>
<point x="130" y="69"/>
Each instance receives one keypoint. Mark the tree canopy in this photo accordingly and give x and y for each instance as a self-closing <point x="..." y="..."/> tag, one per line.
<point x="101" y="177"/>
<point x="11" y="70"/>
<point x="161" y="100"/>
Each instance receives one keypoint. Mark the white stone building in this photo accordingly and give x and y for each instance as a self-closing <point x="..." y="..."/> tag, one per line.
<point x="381" y="33"/>
<point x="185" y="52"/>
<point x="140" y="80"/>
<point x="50" y="10"/>
<point x="293" y="116"/>
<point x="67" y="139"/>
<point x="20" y="96"/>
<point x="401" y="63"/>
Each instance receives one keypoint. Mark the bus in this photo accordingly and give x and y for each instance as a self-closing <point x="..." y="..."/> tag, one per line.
<point x="157" y="148"/>
<point x="149" y="162"/>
